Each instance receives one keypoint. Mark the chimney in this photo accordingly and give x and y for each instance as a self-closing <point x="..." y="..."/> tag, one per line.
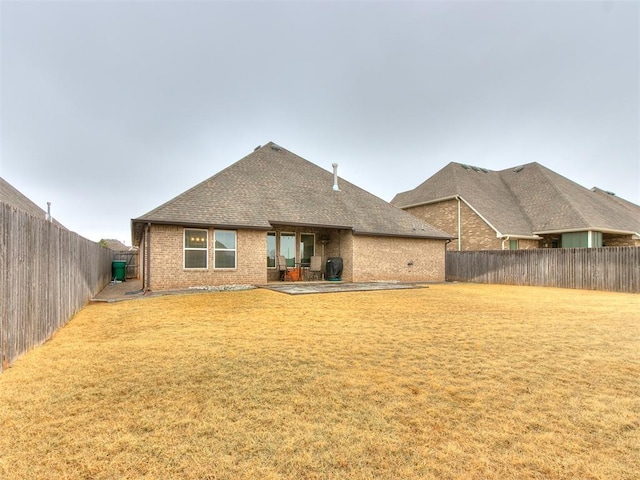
<point x="335" y="177"/>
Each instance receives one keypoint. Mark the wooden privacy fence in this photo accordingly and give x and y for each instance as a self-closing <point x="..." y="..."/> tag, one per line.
<point x="47" y="274"/>
<point x="131" y="257"/>
<point x="614" y="269"/>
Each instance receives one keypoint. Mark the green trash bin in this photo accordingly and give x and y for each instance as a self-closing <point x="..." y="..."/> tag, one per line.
<point x="119" y="270"/>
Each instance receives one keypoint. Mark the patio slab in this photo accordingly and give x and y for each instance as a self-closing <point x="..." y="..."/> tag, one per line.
<point x="131" y="289"/>
<point x="333" y="287"/>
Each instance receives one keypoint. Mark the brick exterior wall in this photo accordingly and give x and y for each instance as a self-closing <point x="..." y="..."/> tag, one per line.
<point x="611" y="240"/>
<point x="345" y="250"/>
<point x="168" y="272"/>
<point x="524" y="244"/>
<point x="474" y="233"/>
<point x="365" y="258"/>
<point x="442" y="215"/>
<point x="388" y="258"/>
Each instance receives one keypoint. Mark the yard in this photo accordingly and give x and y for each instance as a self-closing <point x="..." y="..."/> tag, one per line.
<point x="450" y="381"/>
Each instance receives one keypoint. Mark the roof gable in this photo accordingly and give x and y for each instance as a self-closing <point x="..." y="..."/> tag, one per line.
<point x="526" y="200"/>
<point x="483" y="190"/>
<point x="274" y="186"/>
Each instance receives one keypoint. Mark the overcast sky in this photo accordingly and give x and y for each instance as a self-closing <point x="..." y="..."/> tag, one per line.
<point x="110" y="108"/>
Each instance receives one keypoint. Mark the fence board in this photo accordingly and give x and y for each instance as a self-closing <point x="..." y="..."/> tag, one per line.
<point x="614" y="269"/>
<point x="47" y="274"/>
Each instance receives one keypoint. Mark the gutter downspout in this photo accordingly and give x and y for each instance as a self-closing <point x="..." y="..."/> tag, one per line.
<point x="505" y="239"/>
<point x="147" y="279"/>
<point x="459" y="226"/>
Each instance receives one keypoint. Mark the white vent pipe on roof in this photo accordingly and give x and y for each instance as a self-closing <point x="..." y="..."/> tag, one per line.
<point x="335" y="177"/>
<point x="48" y="217"/>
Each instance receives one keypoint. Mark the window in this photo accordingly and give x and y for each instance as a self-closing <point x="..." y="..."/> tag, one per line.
<point x="307" y="247"/>
<point x="271" y="249"/>
<point x="195" y="248"/>
<point x="513" y="244"/>
<point x="288" y="248"/>
<point x="224" y="248"/>
<point x="582" y="239"/>
<point x="574" y="240"/>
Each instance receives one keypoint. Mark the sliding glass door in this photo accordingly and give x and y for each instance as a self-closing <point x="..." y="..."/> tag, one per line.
<point x="307" y="247"/>
<point x="288" y="248"/>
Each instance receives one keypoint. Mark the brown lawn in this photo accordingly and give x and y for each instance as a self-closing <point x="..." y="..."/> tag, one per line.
<point x="451" y="381"/>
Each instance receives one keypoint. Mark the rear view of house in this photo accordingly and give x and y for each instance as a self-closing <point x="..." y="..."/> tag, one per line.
<point x="232" y="227"/>
<point x="524" y="207"/>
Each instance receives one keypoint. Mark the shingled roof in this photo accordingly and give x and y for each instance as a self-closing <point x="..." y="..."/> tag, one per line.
<point x="273" y="186"/>
<point x="12" y="196"/>
<point x="526" y="200"/>
<point x="115" y="245"/>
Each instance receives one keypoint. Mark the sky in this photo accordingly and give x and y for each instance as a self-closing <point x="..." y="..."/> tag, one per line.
<point x="108" y="109"/>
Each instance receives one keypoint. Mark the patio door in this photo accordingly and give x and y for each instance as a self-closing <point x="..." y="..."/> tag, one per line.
<point x="307" y="247"/>
<point x="288" y="248"/>
<point x="305" y="250"/>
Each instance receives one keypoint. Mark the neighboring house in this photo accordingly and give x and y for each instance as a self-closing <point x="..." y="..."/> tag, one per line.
<point x="528" y="206"/>
<point x="230" y="228"/>
<point x="115" y="245"/>
<point x="11" y="196"/>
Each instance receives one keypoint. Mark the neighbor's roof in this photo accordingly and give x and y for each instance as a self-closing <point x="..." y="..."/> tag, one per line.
<point x="272" y="186"/>
<point x="115" y="245"/>
<point x="11" y="196"/>
<point x="526" y="200"/>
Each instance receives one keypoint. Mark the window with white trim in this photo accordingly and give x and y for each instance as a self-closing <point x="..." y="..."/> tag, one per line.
<point x="224" y="249"/>
<point x="196" y="248"/>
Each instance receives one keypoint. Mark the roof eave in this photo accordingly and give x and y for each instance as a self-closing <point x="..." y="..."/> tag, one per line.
<point x="402" y="235"/>
<point x="429" y="202"/>
<point x="519" y="236"/>
<point x="138" y="223"/>
<point x="201" y="224"/>
<point x="309" y="224"/>
<point x="590" y="229"/>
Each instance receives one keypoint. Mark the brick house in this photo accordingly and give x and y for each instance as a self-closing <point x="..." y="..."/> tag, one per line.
<point x="528" y="206"/>
<point x="230" y="228"/>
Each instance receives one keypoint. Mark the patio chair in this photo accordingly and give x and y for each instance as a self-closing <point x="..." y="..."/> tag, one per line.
<point x="315" y="267"/>
<point x="285" y="273"/>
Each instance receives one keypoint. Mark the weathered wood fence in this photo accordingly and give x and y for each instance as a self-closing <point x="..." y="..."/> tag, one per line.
<point x="614" y="269"/>
<point x="47" y="274"/>
<point x="131" y="257"/>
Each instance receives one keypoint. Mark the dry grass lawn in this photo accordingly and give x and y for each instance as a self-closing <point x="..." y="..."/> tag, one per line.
<point x="453" y="381"/>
